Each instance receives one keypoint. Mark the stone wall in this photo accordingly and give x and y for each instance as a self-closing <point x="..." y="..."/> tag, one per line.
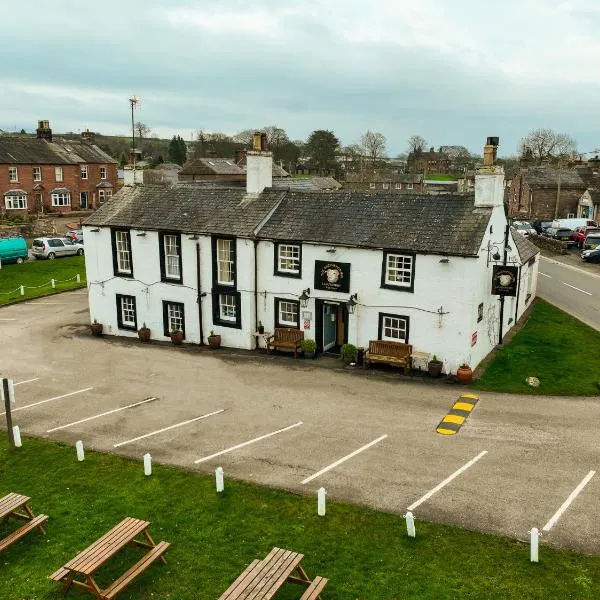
<point x="545" y="243"/>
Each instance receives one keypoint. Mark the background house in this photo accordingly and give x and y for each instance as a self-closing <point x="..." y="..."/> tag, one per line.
<point x="431" y="161"/>
<point x="212" y="169"/>
<point x="386" y="180"/>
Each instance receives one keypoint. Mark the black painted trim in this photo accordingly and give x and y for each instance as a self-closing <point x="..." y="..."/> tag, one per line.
<point x="276" y="270"/>
<point x="215" y="268"/>
<point x="120" y="313"/>
<point x="237" y="324"/>
<point x="398" y="288"/>
<point x="480" y="314"/>
<point x="276" y="320"/>
<point x="380" y="325"/>
<point x="166" y="330"/>
<point x="161" y="250"/>
<point x="113" y="240"/>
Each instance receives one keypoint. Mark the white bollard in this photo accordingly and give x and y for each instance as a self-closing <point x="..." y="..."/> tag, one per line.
<point x="22" y="291"/>
<point x="53" y="283"/>
<point x="410" y="524"/>
<point x="147" y="464"/>
<point x="78" y="278"/>
<point x="80" y="452"/>
<point x="321" y="502"/>
<point x="17" y="436"/>
<point x="219" y="479"/>
<point x="535" y="542"/>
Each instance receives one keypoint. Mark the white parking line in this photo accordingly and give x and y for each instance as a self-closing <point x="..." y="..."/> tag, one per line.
<point x="258" y="439"/>
<point x="558" y="514"/>
<point x="544" y="275"/>
<point x="446" y="481"/>
<point x="343" y="459"/>
<point x="7" y="319"/>
<point x="27" y="381"/>
<point x="49" y="400"/>
<point x="104" y="414"/>
<point x="141" y="437"/>
<point x="576" y="288"/>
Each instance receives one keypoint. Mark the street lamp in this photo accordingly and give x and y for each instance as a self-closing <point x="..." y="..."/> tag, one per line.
<point x="305" y="297"/>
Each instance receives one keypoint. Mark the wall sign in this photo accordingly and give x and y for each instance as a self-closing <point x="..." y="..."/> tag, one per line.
<point x="332" y="276"/>
<point x="473" y="338"/>
<point x="306" y="324"/>
<point x="504" y="280"/>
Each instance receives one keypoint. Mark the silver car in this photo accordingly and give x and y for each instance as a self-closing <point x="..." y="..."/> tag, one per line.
<point x="55" y="247"/>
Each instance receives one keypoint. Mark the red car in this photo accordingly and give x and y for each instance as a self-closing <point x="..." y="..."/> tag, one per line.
<point x="581" y="233"/>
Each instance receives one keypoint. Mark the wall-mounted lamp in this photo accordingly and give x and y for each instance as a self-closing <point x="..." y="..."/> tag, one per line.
<point x="194" y="237"/>
<point x="445" y="260"/>
<point x="352" y="303"/>
<point x="305" y="297"/>
<point x="331" y="250"/>
<point x="94" y="230"/>
<point x="141" y="234"/>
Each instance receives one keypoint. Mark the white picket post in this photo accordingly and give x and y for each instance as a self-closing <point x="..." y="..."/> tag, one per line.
<point x="53" y="283"/>
<point x="22" y="290"/>
<point x="321" y="502"/>
<point x="78" y="278"/>
<point x="147" y="464"/>
<point x="80" y="452"/>
<point x="410" y="524"/>
<point x="219" y="479"/>
<point x="17" y="436"/>
<point x="535" y="542"/>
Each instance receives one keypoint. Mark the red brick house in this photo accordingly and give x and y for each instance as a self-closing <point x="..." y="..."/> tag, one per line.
<point x="42" y="175"/>
<point x="428" y="162"/>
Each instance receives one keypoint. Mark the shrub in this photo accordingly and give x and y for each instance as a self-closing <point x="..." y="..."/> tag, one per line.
<point x="349" y="353"/>
<point x="308" y="345"/>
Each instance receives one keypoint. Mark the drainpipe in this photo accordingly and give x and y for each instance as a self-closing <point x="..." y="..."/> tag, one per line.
<point x="200" y="295"/>
<point x="255" y="241"/>
<point x="518" y="293"/>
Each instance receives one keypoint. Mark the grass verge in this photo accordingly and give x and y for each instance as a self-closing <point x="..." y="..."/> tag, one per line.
<point x="365" y="554"/>
<point x="561" y="351"/>
<point x="36" y="273"/>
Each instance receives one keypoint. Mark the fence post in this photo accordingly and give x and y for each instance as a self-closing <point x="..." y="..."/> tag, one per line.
<point x="80" y="452"/>
<point x="147" y="464"/>
<point x="78" y="278"/>
<point x="410" y="524"/>
<point x="321" y="502"/>
<point x="7" y="387"/>
<point x="17" y="435"/>
<point x="535" y="541"/>
<point x="53" y="283"/>
<point x="219" y="479"/>
<point x="22" y="290"/>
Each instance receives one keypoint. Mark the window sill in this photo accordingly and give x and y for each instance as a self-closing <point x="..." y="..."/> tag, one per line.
<point x="288" y="274"/>
<point x="398" y="288"/>
<point x="127" y="327"/>
<point x="231" y="324"/>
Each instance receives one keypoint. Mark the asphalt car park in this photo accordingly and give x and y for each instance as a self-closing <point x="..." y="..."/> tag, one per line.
<point x="367" y="437"/>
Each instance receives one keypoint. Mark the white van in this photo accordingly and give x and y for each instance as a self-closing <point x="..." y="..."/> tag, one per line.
<point x="572" y="224"/>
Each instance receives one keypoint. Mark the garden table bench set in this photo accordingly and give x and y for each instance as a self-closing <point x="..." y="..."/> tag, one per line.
<point x="260" y="580"/>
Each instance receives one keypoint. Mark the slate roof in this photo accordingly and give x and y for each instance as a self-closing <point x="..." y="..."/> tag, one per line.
<point x="25" y="150"/>
<point x="383" y="177"/>
<point x="441" y="224"/>
<point x="526" y="249"/>
<point x="185" y="207"/>
<point x="212" y="166"/>
<point x="326" y="183"/>
<point x="547" y="177"/>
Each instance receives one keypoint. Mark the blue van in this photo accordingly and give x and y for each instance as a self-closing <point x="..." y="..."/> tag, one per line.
<point x="13" y="249"/>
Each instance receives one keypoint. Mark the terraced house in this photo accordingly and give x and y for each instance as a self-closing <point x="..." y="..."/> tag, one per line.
<point x="41" y="174"/>
<point x="339" y="266"/>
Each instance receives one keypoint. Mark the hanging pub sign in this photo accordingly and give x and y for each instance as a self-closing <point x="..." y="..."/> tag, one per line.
<point x="504" y="280"/>
<point x="332" y="276"/>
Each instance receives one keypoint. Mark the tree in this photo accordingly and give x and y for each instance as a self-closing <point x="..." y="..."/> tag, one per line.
<point x="321" y="147"/>
<point x="123" y="160"/>
<point x="142" y="129"/>
<point x="545" y="145"/>
<point x="373" y="145"/>
<point x="177" y="150"/>
<point x="416" y="144"/>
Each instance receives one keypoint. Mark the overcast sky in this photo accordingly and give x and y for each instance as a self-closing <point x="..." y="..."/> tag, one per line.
<point x="454" y="71"/>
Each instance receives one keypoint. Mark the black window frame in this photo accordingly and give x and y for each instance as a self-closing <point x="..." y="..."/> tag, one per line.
<point x="276" y="320"/>
<point x="215" y="264"/>
<point x="276" y="270"/>
<point x="166" y="329"/>
<point x="480" y="312"/>
<point x="113" y="240"/>
<point x="216" y="306"/>
<point x="120" y="324"/>
<point x="395" y="316"/>
<point x="163" y="267"/>
<point x="390" y="286"/>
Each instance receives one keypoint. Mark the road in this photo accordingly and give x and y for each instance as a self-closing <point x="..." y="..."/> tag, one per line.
<point x="574" y="289"/>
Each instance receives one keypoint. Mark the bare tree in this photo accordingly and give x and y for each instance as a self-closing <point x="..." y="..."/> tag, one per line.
<point x="373" y="144"/>
<point x="545" y="145"/>
<point x="416" y="143"/>
<point x="142" y="129"/>
<point x="244" y="137"/>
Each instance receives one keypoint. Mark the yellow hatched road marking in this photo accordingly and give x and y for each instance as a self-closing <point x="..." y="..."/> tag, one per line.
<point x="473" y="396"/>
<point x="463" y="406"/>
<point x="445" y="431"/>
<point x="454" y="419"/>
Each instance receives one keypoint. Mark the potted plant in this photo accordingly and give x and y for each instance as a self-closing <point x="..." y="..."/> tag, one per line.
<point x="214" y="340"/>
<point x="177" y="337"/>
<point x="96" y="328"/>
<point x="349" y="353"/>
<point x="434" y="366"/>
<point x="261" y="327"/>
<point x="464" y="374"/>
<point x="309" y="347"/>
<point x="144" y="333"/>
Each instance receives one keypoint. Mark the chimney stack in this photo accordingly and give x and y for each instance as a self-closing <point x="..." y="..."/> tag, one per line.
<point x="489" y="151"/>
<point x="88" y="136"/>
<point x="259" y="165"/>
<point x="489" y="179"/>
<point x="43" y="131"/>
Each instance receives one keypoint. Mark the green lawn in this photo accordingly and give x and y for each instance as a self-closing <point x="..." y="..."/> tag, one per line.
<point x="37" y="273"/>
<point x="365" y="554"/>
<point x="562" y="352"/>
<point x="440" y="177"/>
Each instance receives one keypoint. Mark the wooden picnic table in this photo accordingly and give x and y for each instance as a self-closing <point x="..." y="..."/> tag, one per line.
<point x="16" y="506"/>
<point x="262" y="579"/>
<point x="90" y="560"/>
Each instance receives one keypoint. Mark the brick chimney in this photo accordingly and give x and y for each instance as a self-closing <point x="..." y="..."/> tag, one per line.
<point x="43" y="131"/>
<point x="88" y="136"/>
<point x="489" y="179"/>
<point x="259" y="165"/>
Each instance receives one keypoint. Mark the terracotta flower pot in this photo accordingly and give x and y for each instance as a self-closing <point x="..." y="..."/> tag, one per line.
<point x="464" y="375"/>
<point x="177" y="337"/>
<point x="144" y="334"/>
<point x="96" y="329"/>
<point x="435" y="368"/>
<point x="214" y="341"/>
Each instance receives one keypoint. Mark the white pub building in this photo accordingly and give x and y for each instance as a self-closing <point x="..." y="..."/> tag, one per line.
<point x="341" y="266"/>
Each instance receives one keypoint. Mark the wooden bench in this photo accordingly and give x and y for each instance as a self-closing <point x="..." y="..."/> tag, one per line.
<point x="395" y="354"/>
<point x="16" y="506"/>
<point x="287" y="339"/>
<point x="315" y="588"/>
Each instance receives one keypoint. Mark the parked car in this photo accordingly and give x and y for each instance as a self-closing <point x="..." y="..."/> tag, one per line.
<point x="592" y="240"/>
<point x="573" y="223"/>
<point x="13" y="250"/>
<point x="524" y="228"/>
<point x="591" y="255"/>
<point x="55" y="247"/>
<point x="75" y="234"/>
<point x="581" y="233"/>
<point x="541" y="226"/>
<point x="562" y="235"/>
